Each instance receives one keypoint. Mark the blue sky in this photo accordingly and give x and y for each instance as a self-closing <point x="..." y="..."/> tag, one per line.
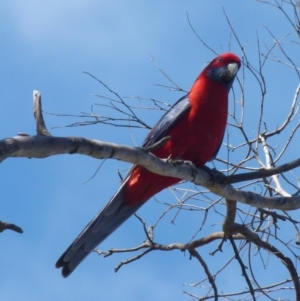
<point x="46" y="47"/>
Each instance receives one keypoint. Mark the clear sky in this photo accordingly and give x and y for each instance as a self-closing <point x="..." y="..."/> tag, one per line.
<point x="45" y="46"/>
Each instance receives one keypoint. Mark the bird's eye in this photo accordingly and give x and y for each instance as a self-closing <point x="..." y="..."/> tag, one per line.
<point x="220" y="60"/>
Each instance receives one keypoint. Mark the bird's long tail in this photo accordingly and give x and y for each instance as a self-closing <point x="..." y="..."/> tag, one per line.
<point x="115" y="212"/>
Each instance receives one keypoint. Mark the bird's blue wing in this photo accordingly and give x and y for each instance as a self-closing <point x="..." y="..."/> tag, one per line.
<point x="167" y="121"/>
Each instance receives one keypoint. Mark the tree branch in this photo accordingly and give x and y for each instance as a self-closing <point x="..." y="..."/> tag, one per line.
<point x="45" y="146"/>
<point x="8" y="226"/>
<point x="38" y="115"/>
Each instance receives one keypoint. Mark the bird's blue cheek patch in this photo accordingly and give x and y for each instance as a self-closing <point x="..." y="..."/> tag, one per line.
<point x="219" y="75"/>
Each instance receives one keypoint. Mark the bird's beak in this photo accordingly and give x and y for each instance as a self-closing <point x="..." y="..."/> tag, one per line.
<point x="232" y="70"/>
<point x="224" y="74"/>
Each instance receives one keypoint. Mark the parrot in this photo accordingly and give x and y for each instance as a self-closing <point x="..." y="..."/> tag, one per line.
<point x="196" y="125"/>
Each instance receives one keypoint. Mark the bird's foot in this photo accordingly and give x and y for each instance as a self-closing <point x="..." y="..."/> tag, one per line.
<point x="215" y="175"/>
<point x="184" y="162"/>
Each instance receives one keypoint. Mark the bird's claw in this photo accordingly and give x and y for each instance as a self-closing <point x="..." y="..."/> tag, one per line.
<point x="215" y="175"/>
<point x="184" y="162"/>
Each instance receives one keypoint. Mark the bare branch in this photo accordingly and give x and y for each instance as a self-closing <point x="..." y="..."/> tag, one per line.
<point x="286" y="260"/>
<point x="41" y="147"/>
<point x="9" y="226"/>
<point x="38" y="115"/>
<point x="196" y="254"/>
<point x="243" y="267"/>
<point x="45" y="146"/>
<point x="194" y="31"/>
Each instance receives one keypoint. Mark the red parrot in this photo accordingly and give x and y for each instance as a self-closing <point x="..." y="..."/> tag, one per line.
<point x="196" y="124"/>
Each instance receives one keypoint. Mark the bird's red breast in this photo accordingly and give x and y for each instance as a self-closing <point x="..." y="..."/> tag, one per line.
<point x="195" y="137"/>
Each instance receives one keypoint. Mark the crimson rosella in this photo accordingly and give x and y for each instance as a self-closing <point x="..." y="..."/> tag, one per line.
<point x="196" y="124"/>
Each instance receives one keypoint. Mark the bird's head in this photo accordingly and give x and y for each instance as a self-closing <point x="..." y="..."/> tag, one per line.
<point x="223" y="69"/>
